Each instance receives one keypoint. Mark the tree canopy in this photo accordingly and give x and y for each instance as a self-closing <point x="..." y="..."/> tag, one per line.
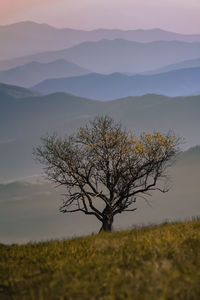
<point x="105" y="168"/>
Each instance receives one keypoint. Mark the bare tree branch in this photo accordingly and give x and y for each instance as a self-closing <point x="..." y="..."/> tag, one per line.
<point x="104" y="167"/>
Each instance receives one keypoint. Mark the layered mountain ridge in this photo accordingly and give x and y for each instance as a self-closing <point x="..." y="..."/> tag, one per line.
<point x="28" y="37"/>
<point x="181" y="82"/>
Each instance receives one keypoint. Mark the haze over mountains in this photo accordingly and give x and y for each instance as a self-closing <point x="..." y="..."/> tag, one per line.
<point x="27" y="38"/>
<point x="67" y="71"/>
<point x="34" y="72"/>
<point x="26" y="115"/>
<point x="29" y="208"/>
<point x="9" y="91"/>
<point x="108" y="56"/>
<point x="145" y="52"/>
<point x="24" y="120"/>
<point x="186" y="64"/>
<point x="181" y="82"/>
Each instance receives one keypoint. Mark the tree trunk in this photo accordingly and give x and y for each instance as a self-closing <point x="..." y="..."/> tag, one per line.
<point x="107" y="220"/>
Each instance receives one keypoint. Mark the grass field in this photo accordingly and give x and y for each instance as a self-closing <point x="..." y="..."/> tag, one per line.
<point x="160" y="262"/>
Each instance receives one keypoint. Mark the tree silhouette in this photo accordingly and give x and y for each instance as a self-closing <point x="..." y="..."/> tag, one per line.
<point x="104" y="167"/>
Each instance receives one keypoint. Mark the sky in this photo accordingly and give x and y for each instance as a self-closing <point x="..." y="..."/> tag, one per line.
<point x="174" y="15"/>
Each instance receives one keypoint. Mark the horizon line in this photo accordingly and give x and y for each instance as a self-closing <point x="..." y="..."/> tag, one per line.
<point x="97" y="28"/>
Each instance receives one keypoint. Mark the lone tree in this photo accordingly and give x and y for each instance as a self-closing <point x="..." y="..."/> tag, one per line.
<point x="104" y="167"/>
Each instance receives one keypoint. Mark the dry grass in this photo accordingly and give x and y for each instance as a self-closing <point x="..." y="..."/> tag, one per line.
<point x="161" y="262"/>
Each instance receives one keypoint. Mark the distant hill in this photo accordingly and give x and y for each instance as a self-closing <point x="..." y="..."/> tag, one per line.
<point x="182" y="82"/>
<point x="197" y="93"/>
<point x="191" y="156"/>
<point x="24" y="121"/>
<point x="109" y="56"/>
<point x="192" y="63"/>
<point x="34" y="72"/>
<point x="15" y="92"/>
<point x="27" y="38"/>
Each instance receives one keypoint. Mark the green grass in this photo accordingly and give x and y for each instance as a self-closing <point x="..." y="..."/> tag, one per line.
<point x="160" y="262"/>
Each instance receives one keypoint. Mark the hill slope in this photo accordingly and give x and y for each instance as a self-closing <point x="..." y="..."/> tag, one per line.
<point x="7" y="91"/>
<point x="182" y="82"/>
<point x="35" y="72"/>
<point x="187" y="64"/>
<point x="108" y="56"/>
<point x="149" y="263"/>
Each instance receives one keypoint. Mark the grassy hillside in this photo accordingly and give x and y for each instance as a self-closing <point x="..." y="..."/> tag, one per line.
<point x="161" y="262"/>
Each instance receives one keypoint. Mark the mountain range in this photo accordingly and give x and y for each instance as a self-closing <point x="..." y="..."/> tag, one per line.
<point x="34" y="72"/>
<point x="109" y="56"/>
<point x="181" y="82"/>
<point x="56" y="80"/>
<point x="191" y="63"/>
<point x="11" y="91"/>
<point x="28" y="37"/>
<point x="29" y="205"/>
<point x="24" y="120"/>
